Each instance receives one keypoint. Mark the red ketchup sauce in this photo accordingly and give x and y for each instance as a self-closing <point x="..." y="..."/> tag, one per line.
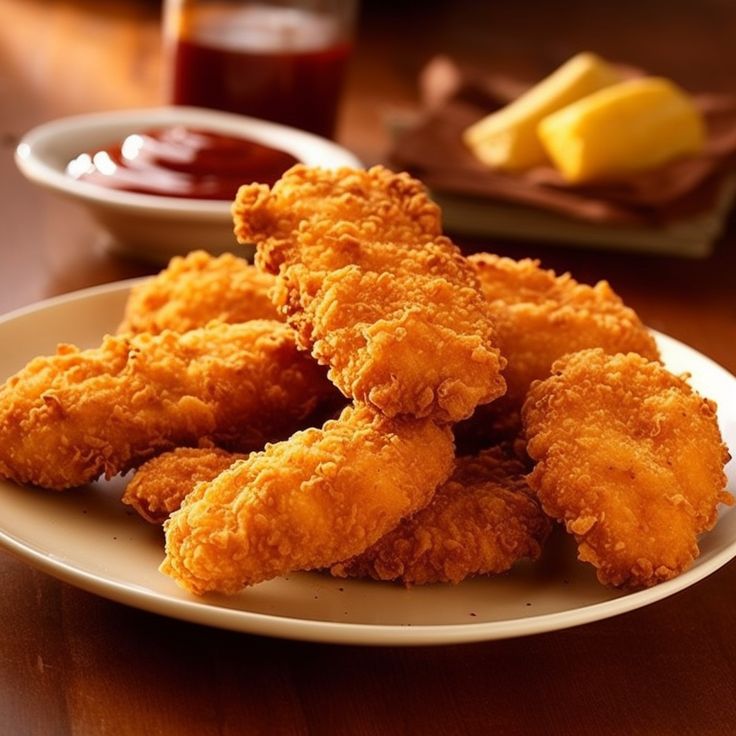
<point x="278" y="64"/>
<point x="181" y="162"/>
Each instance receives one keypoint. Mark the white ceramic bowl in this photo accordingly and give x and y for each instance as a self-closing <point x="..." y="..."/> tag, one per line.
<point x="146" y="225"/>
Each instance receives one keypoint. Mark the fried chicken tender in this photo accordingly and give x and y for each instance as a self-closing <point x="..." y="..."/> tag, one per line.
<point x="199" y="288"/>
<point x="323" y="495"/>
<point x="631" y="459"/>
<point x="374" y="290"/>
<point x="541" y="316"/>
<point x="384" y="208"/>
<point x="68" y="418"/>
<point x="481" y="521"/>
<point x="160" y="485"/>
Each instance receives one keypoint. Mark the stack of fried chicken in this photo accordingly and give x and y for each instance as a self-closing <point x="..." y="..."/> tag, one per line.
<point x="365" y="400"/>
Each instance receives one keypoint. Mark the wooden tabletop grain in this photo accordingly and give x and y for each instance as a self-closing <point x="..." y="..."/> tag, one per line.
<point x="74" y="663"/>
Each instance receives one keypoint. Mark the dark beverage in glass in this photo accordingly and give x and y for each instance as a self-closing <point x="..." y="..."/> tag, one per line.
<point x="283" y="62"/>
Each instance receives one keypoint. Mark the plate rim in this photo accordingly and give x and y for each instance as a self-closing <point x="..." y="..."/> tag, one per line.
<point x="203" y="612"/>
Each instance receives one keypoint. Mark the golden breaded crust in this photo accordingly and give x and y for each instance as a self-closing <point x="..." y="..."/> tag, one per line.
<point x="380" y="205"/>
<point x="196" y="289"/>
<point x="631" y="459"/>
<point x="541" y="316"/>
<point x="322" y="496"/>
<point x="67" y="418"/>
<point x="160" y="485"/>
<point x="481" y="521"/>
<point x="374" y="290"/>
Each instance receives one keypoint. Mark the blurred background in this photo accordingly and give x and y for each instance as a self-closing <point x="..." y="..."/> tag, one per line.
<point x="64" y="57"/>
<point x="61" y="57"/>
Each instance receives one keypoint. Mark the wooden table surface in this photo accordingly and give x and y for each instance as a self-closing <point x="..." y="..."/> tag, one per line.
<point x="74" y="663"/>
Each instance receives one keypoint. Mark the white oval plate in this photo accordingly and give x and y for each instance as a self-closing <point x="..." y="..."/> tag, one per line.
<point x="88" y="538"/>
<point x="151" y="226"/>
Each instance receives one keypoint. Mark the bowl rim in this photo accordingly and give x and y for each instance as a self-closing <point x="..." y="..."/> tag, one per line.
<point x="34" y="154"/>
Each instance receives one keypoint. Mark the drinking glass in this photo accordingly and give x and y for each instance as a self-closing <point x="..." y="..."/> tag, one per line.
<point x="280" y="60"/>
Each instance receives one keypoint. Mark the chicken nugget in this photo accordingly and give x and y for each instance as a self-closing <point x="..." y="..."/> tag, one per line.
<point x="67" y="418"/>
<point x="374" y="290"/>
<point x="482" y="520"/>
<point x="321" y="496"/>
<point x="630" y="459"/>
<point x="196" y="289"/>
<point x="160" y="485"/>
<point x="540" y="317"/>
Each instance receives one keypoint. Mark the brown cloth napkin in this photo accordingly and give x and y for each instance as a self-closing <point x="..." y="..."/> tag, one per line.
<point x="455" y="97"/>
